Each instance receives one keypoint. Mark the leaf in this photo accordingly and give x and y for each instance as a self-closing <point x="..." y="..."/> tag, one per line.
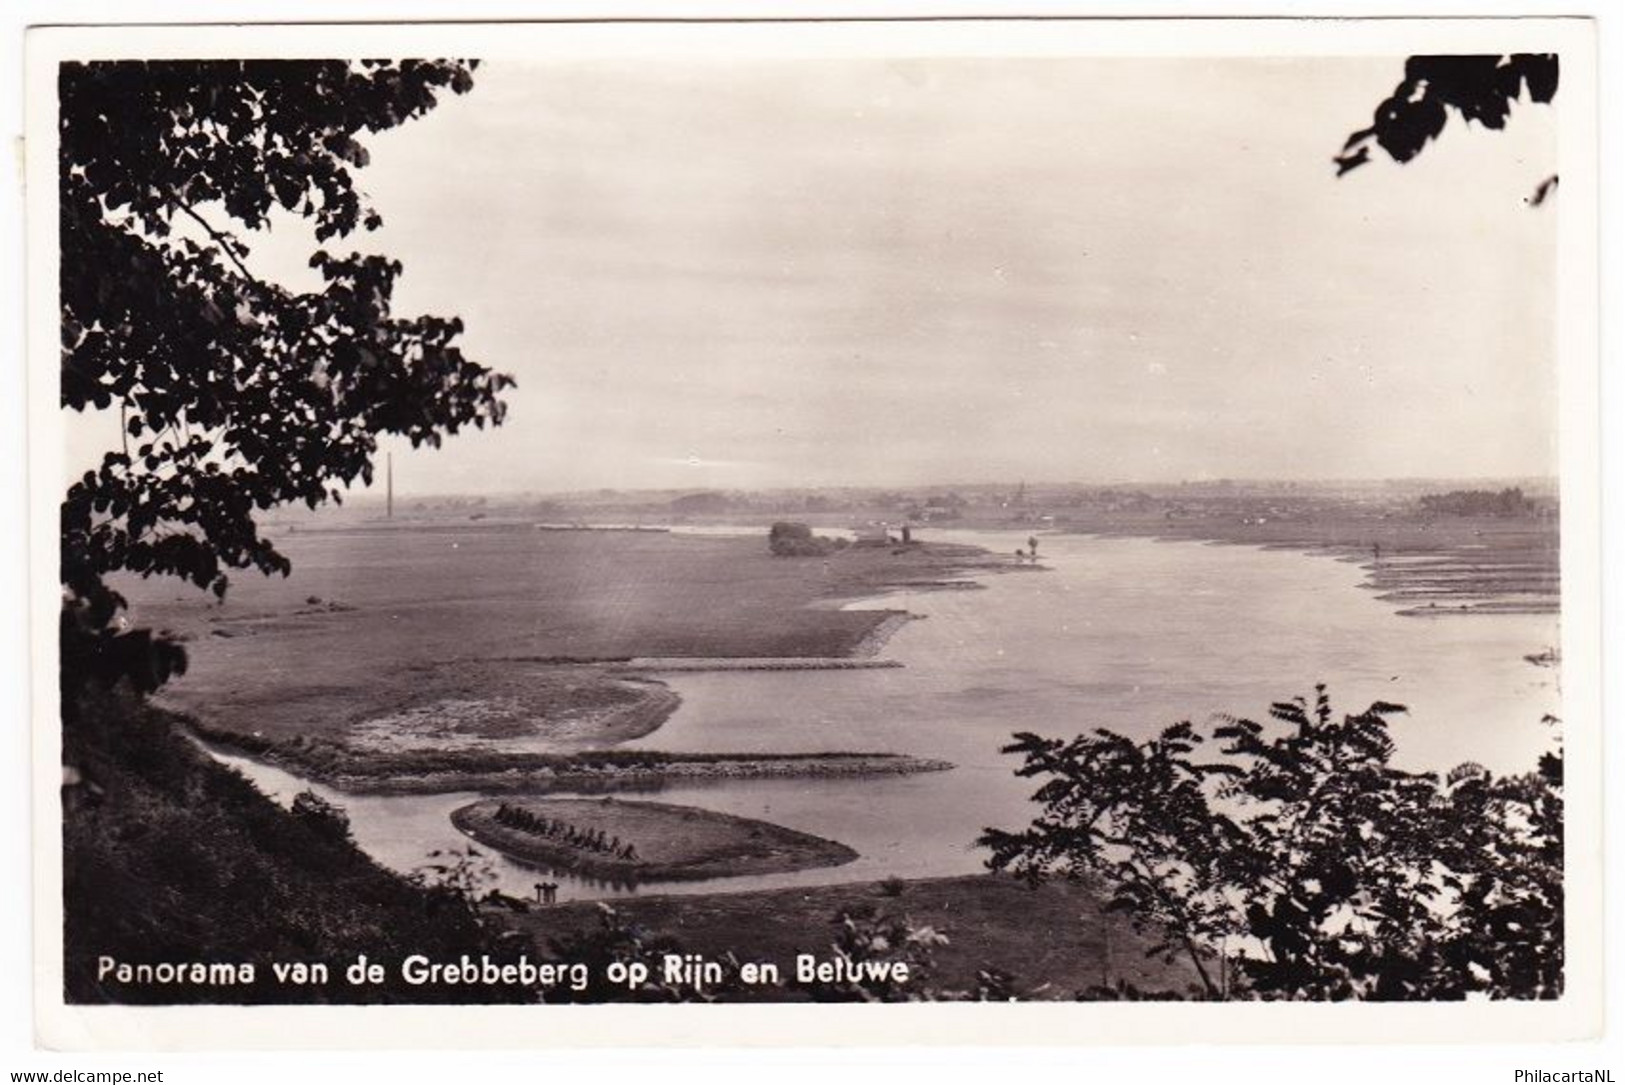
<point x="1481" y="89"/>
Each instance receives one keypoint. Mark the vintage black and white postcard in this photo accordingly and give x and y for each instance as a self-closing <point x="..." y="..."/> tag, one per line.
<point x="965" y="529"/>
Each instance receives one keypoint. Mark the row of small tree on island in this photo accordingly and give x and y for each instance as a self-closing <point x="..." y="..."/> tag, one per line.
<point x="562" y="832"/>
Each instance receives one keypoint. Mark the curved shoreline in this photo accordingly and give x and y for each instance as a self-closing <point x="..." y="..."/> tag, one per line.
<point x="1420" y="582"/>
<point x="599" y="779"/>
<point x="687" y="843"/>
<point x="873" y="641"/>
<point x="506" y="727"/>
<point x="598" y="771"/>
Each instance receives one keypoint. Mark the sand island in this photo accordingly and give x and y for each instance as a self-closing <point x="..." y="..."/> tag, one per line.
<point x="653" y="841"/>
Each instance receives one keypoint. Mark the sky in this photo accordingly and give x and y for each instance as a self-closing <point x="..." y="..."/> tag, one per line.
<point x="730" y="274"/>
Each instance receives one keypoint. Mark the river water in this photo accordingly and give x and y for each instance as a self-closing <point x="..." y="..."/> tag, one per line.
<point x="1129" y="634"/>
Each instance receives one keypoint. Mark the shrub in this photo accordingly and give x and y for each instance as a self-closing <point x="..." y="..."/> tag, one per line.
<point x="325" y="817"/>
<point x="793" y="540"/>
<point x="866" y="935"/>
<point x="1297" y="862"/>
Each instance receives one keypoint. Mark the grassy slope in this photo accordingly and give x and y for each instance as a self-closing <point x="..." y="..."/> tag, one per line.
<point x="168" y="856"/>
<point x="1055" y="940"/>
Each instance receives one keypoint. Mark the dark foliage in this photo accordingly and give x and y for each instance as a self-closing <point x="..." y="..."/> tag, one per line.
<point x="324" y="817"/>
<point x="1297" y="862"/>
<point x="618" y="940"/>
<point x="1477" y="88"/>
<point x="794" y="540"/>
<point x="867" y="935"/>
<point x="96" y="655"/>
<point x="171" y="857"/>
<point x="234" y="394"/>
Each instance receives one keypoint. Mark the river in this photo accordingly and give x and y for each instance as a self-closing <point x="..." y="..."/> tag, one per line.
<point x="1124" y="633"/>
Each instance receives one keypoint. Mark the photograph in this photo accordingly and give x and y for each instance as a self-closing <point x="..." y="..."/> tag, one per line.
<point x="1052" y="513"/>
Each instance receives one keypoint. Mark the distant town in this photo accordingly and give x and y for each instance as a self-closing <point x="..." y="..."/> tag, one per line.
<point x="1060" y="505"/>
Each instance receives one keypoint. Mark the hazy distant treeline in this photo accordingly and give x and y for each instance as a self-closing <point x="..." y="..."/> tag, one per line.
<point x="1507" y="502"/>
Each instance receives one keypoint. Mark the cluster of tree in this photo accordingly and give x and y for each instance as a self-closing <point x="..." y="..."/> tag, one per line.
<point x="795" y="540"/>
<point x="1507" y="502"/>
<point x="234" y="393"/>
<point x="1297" y="862"/>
